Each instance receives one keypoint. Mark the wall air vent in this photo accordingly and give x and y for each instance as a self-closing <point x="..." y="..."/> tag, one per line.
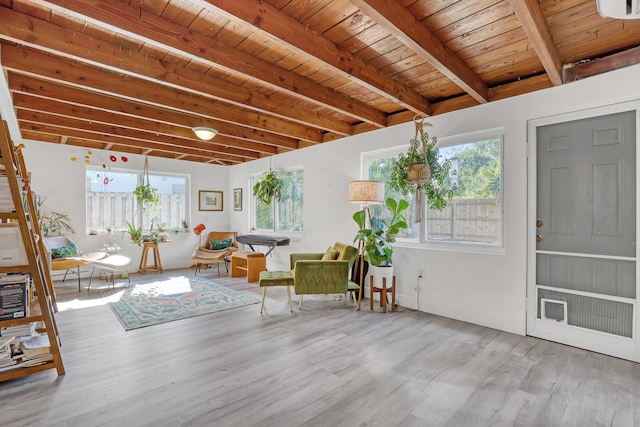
<point x="619" y="9"/>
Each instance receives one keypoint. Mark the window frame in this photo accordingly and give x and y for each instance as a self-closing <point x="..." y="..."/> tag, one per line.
<point x="139" y="214"/>
<point x="274" y="206"/>
<point x="421" y="241"/>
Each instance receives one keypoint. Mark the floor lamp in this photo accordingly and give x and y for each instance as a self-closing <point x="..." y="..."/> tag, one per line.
<point x="365" y="193"/>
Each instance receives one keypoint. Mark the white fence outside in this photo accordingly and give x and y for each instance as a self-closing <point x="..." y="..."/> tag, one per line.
<point x="116" y="209"/>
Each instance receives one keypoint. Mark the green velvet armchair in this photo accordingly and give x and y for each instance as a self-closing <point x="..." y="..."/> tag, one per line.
<point x="324" y="272"/>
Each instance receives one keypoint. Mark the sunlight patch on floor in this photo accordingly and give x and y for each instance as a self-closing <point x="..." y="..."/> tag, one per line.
<point x="86" y="303"/>
<point x="170" y="286"/>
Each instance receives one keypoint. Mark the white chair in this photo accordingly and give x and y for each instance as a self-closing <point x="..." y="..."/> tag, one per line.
<point x="63" y="254"/>
<point x="113" y="263"/>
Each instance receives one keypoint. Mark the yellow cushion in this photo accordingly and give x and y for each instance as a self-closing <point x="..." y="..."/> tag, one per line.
<point x="67" y="263"/>
<point x="330" y="255"/>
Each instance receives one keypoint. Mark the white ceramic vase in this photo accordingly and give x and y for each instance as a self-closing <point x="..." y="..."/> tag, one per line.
<point x="378" y="272"/>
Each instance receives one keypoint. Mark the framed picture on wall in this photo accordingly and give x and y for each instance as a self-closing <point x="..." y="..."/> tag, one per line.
<point x="237" y="199"/>
<point x="210" y="200"/>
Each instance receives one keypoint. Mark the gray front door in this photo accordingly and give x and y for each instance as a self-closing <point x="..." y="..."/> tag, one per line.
<point x="585" y="232"/>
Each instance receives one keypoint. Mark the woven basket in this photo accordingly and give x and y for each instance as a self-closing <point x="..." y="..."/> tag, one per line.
<point x="419" y="173"/>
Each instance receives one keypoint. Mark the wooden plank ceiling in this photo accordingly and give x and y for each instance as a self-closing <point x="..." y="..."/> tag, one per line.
<point x="279" y="75"/>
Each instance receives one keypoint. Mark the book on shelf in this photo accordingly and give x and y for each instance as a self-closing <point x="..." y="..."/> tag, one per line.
<point x="12" y="249"/>
<point x="19" y="330"/>
<point x="16" y="363"/>
<point x="5" y="341"/>
<point x="14" y="300"/>
<point x="35" y="346"/>
<point x="7" y="361"/>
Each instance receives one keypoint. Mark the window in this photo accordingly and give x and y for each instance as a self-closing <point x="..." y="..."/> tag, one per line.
<point x="474" y="214"/>
<point x="285" y="215"/>
<point x="111" y="203"/>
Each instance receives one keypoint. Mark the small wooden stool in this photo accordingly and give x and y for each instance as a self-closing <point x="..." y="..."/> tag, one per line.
<point x="248" y="264"/>
<point x="276" y="278"/>
<point x="383" y="293"/>
<point x="157" y="264"/>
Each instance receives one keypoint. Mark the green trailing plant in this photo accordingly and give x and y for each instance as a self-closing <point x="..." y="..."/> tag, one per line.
<point x="146" y="195"/>
<point x="268" y="187"/>
<point x="422" y="150"/>
<point x="378" y="239"/>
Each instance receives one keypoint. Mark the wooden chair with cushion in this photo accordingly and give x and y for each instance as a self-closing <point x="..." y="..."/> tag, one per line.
<point x="215" y="248"/>
<point x="63" y="254"/>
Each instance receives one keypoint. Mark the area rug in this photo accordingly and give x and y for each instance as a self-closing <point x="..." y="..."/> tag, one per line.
<point x="141" y="305"/>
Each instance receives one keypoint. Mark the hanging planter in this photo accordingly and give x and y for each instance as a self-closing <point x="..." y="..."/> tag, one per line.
<point x="268" y="187"/>
<point x="149" y="199"/>
<point x="422" y="170"/>
<point x="146" y="195"/>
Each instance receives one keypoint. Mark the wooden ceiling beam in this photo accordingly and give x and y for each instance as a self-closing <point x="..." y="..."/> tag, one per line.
<point x="30" y="86"/>
<point x="43" y="35"/>
<point x="601" y="65"/>
<point x="131" y="88"/>
<point x="404" y="26"/>
<point x="277" y="26"/>
<point x="134" y="20"/>
<point x="109" y="132"/>
<point x="118" y="142"/>
<point x="535" y="26"/>
<point x="24" y="101"/>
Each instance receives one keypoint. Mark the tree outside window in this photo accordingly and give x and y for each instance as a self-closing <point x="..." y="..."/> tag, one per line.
<point x="286" y="214"/>
<point x="474" y="214"/>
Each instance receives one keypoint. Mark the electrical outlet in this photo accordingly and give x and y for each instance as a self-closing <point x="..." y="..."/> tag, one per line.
<point x="419" y="280"/>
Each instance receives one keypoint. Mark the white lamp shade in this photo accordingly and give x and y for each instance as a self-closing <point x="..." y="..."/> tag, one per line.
<point x="205" y="133"/>
<point x="366" y="192"/>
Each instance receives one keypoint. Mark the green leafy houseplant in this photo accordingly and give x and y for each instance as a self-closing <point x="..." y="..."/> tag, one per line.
<point x="54" y="223"/>
<point x="146" y="195"/>
<point x="378" y="239"/>
<point x="134" y="231"/>
<point x="268" y="187"/>
<point x="422" y="150"/>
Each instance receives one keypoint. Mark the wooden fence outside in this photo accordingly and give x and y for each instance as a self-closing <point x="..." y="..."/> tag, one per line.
<point x="115" y="209"/>
<point x="468" y="220"/>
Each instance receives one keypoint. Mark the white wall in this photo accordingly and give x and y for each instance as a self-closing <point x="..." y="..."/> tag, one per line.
<point x="483" y="288"/>
<point x="62" y="182"/>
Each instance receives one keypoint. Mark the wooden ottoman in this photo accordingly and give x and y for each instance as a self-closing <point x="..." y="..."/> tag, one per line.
<point x="248" y="264"/>
<point x="276" y="278"/>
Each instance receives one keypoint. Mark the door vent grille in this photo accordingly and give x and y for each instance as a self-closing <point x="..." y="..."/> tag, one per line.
<point x="613" y="317"/>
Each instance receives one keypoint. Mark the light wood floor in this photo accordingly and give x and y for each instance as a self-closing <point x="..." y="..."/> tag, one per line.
<point x="327" y="365"/>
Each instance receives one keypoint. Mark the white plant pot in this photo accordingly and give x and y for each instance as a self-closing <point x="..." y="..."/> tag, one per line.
<point x="379" y="272"/>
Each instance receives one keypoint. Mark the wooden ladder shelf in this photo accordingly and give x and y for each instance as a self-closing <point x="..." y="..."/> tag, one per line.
<point x="42" y="301"/>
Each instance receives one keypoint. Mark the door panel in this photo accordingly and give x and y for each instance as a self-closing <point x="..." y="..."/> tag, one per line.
<point x="602" y="276"/>
<point x="584" y="286"/>
<point x="586" y="185"/>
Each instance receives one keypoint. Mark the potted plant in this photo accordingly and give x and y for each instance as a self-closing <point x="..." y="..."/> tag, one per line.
<point x="54" y="223"/>
<point x="421" y="168"/>
<point x="147" y="196"/>
<point x="378" y="239"/>
<point x="268" y="187"/>
<point x="135" y="232"/>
